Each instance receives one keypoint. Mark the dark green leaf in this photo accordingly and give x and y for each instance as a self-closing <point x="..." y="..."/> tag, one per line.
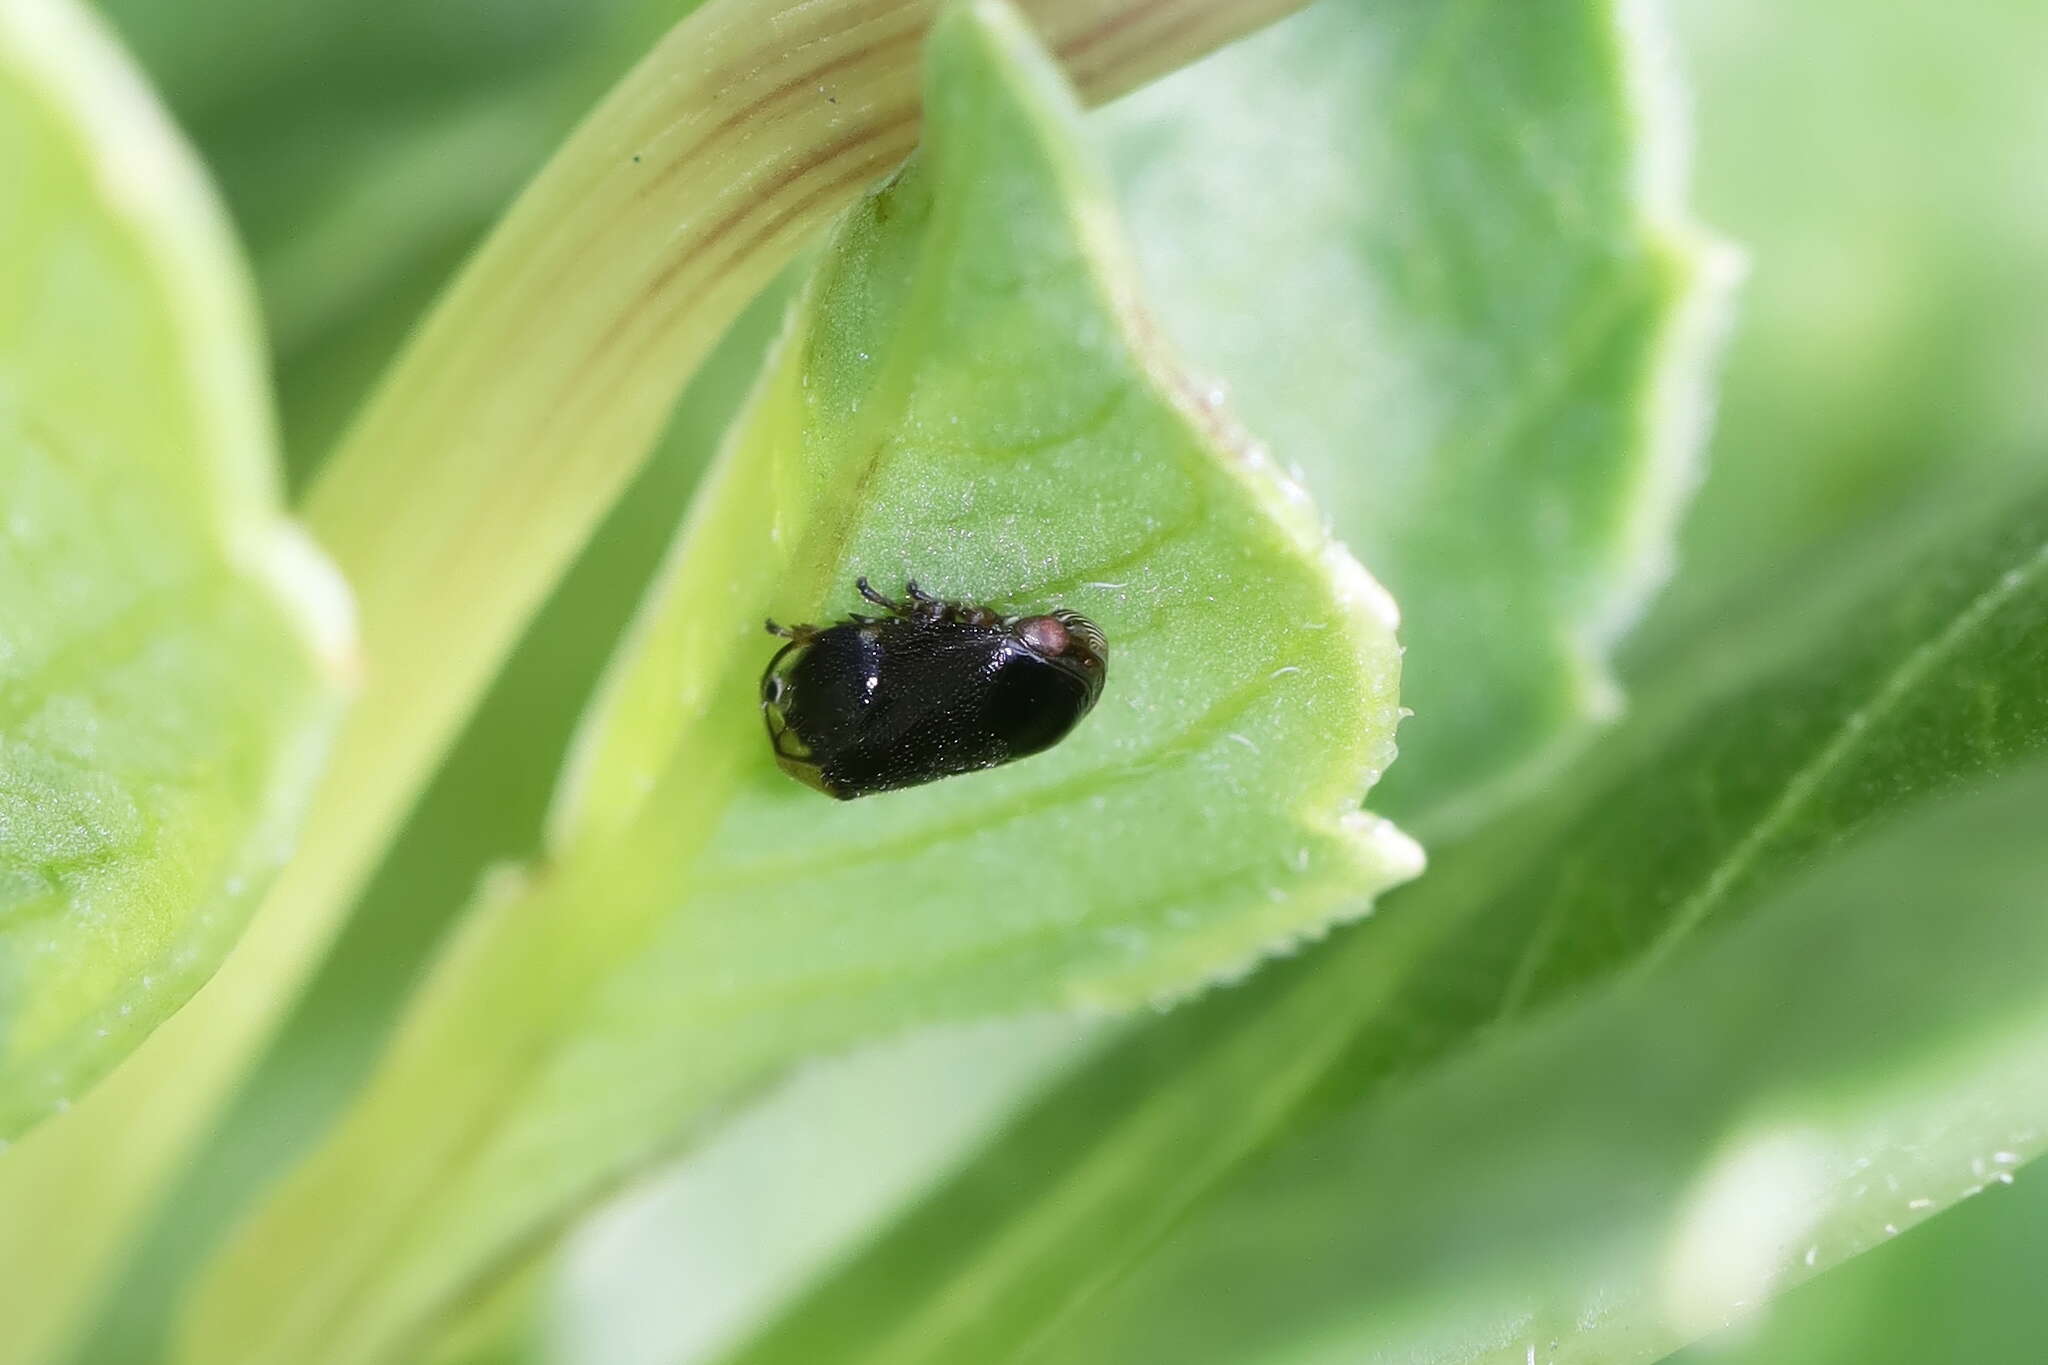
<point x="1483" y="1151"/>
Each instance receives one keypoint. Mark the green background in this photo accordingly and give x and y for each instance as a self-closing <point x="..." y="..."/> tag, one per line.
<point x="1881" y="167"/>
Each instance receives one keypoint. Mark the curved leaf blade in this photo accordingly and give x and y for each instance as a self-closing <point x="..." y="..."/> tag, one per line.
<point x="967" y="395"/>
<point x="1461" y="290"/>
<point x="172" y="654"/>
<point x="1643" y="1189"/>
<point x="1560" y="1039"/>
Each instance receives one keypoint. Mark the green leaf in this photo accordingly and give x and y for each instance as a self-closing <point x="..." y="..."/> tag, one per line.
<point x="1607" y="1183"/>
<point x="967" y="395"/>
<point x="1962" y="1286"/>
<point x="486" y="806"/>
<point x="1277" y="191"/>
<point x="171" y="652"/>
<point x="1437" y="254"/>
<point x="491" y="453"/>
<point x="1544" y="1083"/>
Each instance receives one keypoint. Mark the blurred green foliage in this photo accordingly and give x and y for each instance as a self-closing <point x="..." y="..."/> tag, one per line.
<point x="1880" y="165"/>
<point x="1476" y="328"/>
<point x="391" y="80"/>
<point x="1882" y="169"/>
<point x="174" y="656"/>
<point x="365" y="148"/>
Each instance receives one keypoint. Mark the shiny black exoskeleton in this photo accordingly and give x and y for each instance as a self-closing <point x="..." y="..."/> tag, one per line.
<point x="932" y="689"/>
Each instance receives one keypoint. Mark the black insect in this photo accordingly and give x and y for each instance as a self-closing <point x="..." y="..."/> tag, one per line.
<point x="934" y="688"/>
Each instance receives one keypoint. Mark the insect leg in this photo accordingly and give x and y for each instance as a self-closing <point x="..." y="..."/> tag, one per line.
<point x="867" y="590"/>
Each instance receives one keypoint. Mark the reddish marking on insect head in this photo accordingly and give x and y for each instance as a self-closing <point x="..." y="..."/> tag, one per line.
<point x="1045" y="635"/>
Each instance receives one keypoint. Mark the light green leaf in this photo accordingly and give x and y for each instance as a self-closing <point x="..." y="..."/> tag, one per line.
<point x="1578" y="1032"/>
<point x="171" y="651"/>
<point x="486" y="805"/>
<point x="1279" y="193"/>
<point x="1961" y="1286"/>
<point x="491" y="453"/>
<point x="967" y="395"/>
<point x="1437" y="254"/>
